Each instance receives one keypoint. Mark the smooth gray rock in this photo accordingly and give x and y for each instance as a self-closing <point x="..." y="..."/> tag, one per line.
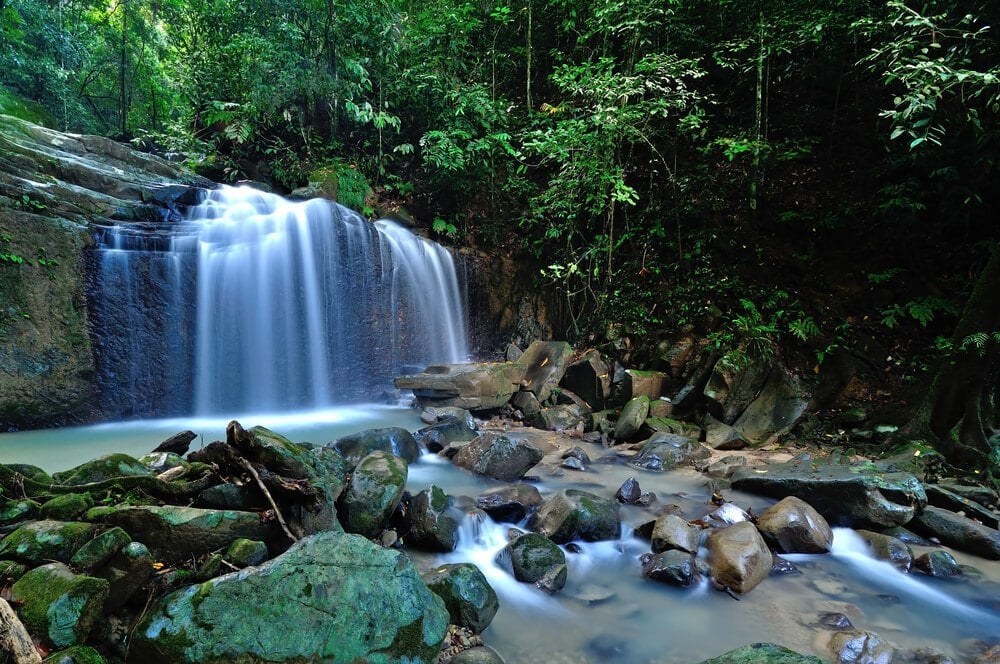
<point x="958" y="531"/>
<point x="498" y="456"/>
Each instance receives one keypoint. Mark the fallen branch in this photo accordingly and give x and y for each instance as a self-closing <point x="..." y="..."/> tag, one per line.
<point x="267" y="494"/>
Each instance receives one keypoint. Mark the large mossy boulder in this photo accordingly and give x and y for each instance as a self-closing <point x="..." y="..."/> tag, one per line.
<point x="859" y="496"/>
<point x="175" y="533"/>
<point x="102" y="468"/>
<point x="394" y="440"/>
<point x="572" y="514"/>
<point x="468" y="596"/>
<point x="536" y="559"/>
<point x="763" y="653"/>
<point x="331" y="597"/>
<point x="57" y="605"/>
<point x="739" y="557"/>
<point x="99" y="550"/>
<point x="793" y="526"/>
<point x="373" y="494"/>
<point x="433" y="521"/>
<point x="66" y="507"/>
<point x="40" y="541"/>
<point x="499" y="456"/>
<point x="958" y="531"/>
<point x="666" y="451"/>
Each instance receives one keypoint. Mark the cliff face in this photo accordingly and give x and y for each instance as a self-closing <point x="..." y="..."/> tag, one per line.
<point x="54" y="190"/>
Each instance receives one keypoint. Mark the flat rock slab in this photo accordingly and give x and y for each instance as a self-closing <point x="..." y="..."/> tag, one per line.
<point x="470" y="386"/>
<point x="858" y="496"/>
<point x="958" y="531"/>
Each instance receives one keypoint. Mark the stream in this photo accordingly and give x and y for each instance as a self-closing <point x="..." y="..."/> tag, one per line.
<point x="607" y="612"/>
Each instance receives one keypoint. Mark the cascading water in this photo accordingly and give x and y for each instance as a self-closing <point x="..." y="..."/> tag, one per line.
<point x="254" y="304"/>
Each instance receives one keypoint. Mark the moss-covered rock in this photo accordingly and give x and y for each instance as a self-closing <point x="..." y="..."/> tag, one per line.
<point x="536" y="559"/>
<point x="159" y="462"/>
<point x="763" y="653"/>
<point x="99" y="550"/>
<point x="246" y="553"/>
<point x="58" y="605"/>
<point x="468" y="596"/>
<point x="31" y="472"/>
<point x="572" y="514"/>
<point x="76" y="655"/>
<point x="66" y="507"/>
<point x="499" y="456"/>
<point x="40" y="541"/>
<point x="103" y="468"/>
<point x="631" y="419"/>
<point x="331" y="598"/>
<point x="127" y="571"/>
<point x="11" y="571"/>
<point x="433" y="521"/>
<point x="176" y="533"/>
<point x="375" y="490"/>
<point x="394" y="440"/>
<point x="14" y="511"/>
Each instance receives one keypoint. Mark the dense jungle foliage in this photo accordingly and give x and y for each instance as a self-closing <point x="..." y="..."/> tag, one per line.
<point x="800" y="179"/>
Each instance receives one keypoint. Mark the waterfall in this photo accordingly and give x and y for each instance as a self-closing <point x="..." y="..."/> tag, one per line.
<point x="254" y="303"/>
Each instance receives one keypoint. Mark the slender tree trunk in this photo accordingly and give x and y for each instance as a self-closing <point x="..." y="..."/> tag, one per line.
<point x="122" y="95"/>
<point x="960" y="412"/>
<point x="527" y="77"/>
<point x="758" y="109"/>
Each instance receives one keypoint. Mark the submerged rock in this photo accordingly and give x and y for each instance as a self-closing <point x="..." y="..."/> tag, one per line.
<point x="859" y="496"/>
<point x="738" y="557"/>
<point x="468" y="596"/>
<point x="330" y="597"/>
<point x="857" y="647"/>
<point x="571" y="514"/>
<point x="498" y="456"/>
<point x="940" y="564"/>
<point x="57" y="605"/>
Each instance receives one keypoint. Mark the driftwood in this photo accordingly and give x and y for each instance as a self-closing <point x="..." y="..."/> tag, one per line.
<point x="16" y="485"/>
<point x="15" y="643"/>
<point x="177" y="443"/>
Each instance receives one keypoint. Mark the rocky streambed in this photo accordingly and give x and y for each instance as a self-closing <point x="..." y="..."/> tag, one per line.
<point x="483" y="540"/>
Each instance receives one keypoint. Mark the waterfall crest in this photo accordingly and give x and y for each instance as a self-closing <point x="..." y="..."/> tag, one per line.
<point x="254" y="303"/>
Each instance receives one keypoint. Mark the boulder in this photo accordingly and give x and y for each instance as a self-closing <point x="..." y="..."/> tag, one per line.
<point x="736" y="380"/>
<point x="469" y="598"/>
<point x="673" y="567"/>
<point x="857" y="647"/>
<point x="723" y="516"/>
<point x="859" y="496"/>
<point x="632" y="418"/>
<point x="99" y="550"/>
<point x="793" y="526"/>
<point x="671" y="532"/>
<point x="374" y="492"/>
<point x="536" y="559"/>
<point x="126" y="572"/>
<point x="510" y="503"/>
<point x="562" y="418"/>
<point x="102" y="468"/>
<point x="498" y="456"/>
<point x="57" y="605"/>
<point x="945" y="498"/>
<point x="330" y="597"/>
<point x="889" y="549"/>
<point x="739" y="557"/>
<point x="15" y="642"/>
<point x="434" y="415"/>
<point x="939" y="564"/>
<point x="246" y="553"/>
<point x="174" y="533"/>
<point x="243" y="497"/>
<point x="629" y="492"/>
<point x="721" y="436"/>
<point x="724" y="467"/>
<point x="763" y="653"/>
<point x="445" y="432"/>
<point x="779" y="405"/>
<point x="394" y="440"/>
<point x="527" y="403"/>
<point x="589" y="377"/>
<point x="666" y="451"/>
<point x="469" y="386"/>
<point x="433" y="521"/>
<point x="477" y="655"/>
<point x="571" y="514"/>
<point x="16" y="511"/>
<point x="654" y="425"/>
<point x="952" y="529"/>
<point x="40" y="541"/>
<point x="66" y="507"/>
<point x="544" y="364"/>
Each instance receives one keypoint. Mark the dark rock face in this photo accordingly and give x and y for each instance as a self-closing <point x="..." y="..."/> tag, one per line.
<point x="571" y="514"/>
<point x="331" y="597"/>
<point x="590" y="378"/>
<point x="856" y="496"/>
<point x="674" y="567"/>
<point x="629" y="492"/>
<point x="510" y="503"/>
<point x="958" y="531"/>
<point x="498" y="456"/>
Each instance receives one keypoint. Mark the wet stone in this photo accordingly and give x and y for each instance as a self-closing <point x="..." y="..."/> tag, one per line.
<point x="782" y="566"/>
<point x="834" y="620"/>
<point x="629" y="492"/>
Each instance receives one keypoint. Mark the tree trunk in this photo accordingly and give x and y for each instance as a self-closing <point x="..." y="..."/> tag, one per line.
<point x="960" y="412"/>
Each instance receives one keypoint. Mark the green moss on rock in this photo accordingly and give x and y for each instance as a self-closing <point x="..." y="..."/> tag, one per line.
<point x="58" y="605"/>
<point x="76" y="655"/>
<point x="40" y="541"/>
<point x="66" y="507"/>
<point x="763" y="653"/>
<point x="103" y="468"/>
<point x="99" y="550"/>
